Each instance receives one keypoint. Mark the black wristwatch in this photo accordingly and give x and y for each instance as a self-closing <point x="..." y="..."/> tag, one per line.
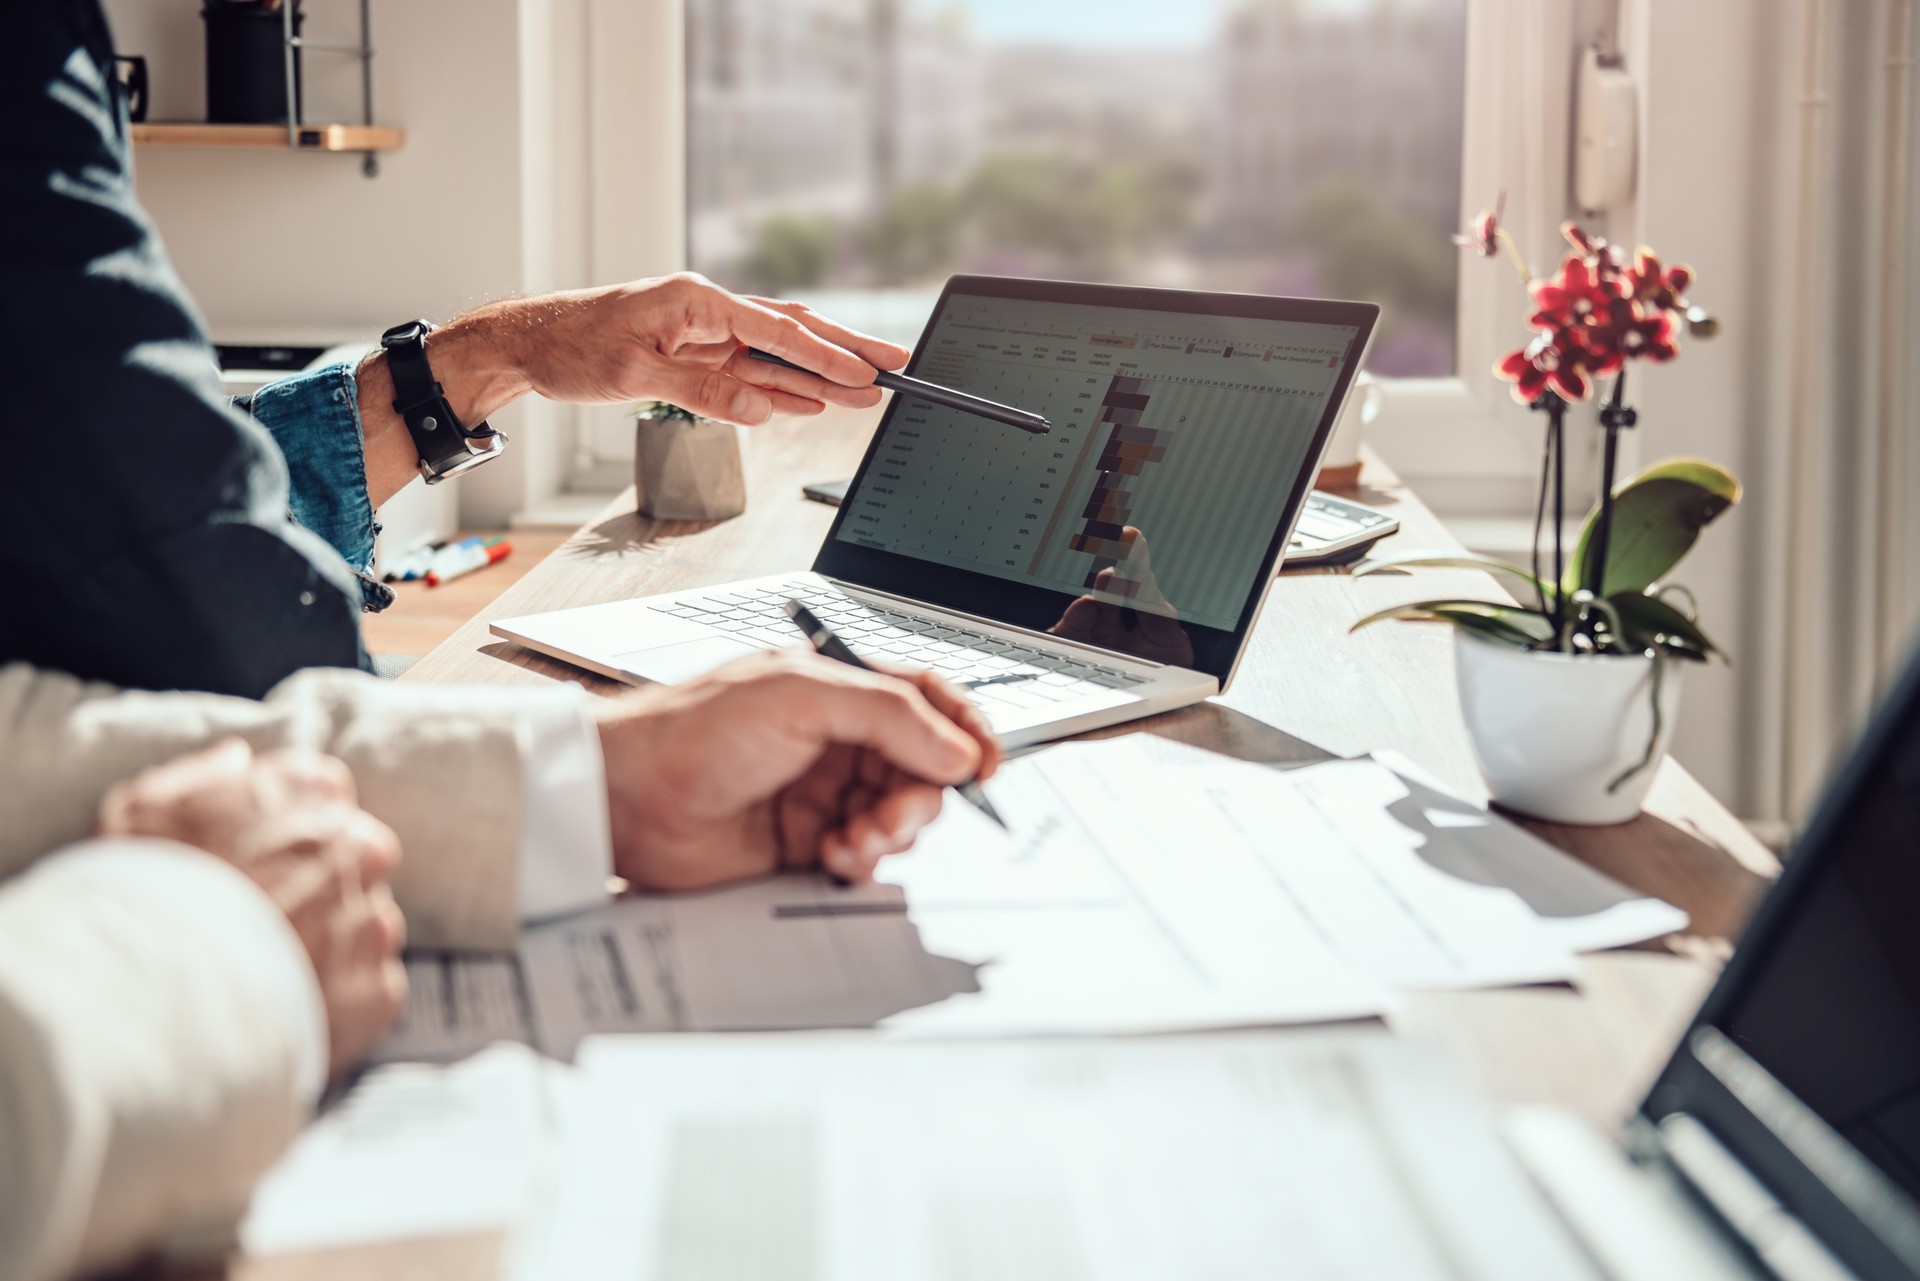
<point x="445" y="447"/>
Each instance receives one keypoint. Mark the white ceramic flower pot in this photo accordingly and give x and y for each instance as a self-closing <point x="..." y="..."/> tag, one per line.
<point x="690" y="470"/>
<point x="1551" y="730"/>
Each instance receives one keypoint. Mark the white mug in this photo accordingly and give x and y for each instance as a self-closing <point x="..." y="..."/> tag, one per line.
<point x="1362" y="407"/>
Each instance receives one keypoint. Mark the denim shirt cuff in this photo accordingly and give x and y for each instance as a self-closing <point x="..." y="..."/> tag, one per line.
<point x="315" y="419"/>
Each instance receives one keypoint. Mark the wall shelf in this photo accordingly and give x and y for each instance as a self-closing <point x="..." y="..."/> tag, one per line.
<point x="362" y="138"/>
<point x="366" y="137"/>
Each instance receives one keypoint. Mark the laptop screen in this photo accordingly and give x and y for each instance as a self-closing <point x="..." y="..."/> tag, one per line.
<point x="1185" y="427"/>
<point x="1806" y="1059"/>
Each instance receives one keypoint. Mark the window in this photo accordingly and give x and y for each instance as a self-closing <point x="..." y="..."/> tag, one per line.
<point x="744" y="185"/>
<point x="857" y="152"/>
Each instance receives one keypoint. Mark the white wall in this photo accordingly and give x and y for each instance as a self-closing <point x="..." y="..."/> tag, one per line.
<point x="1719" y="188"/>
<point x="493" y="194"/>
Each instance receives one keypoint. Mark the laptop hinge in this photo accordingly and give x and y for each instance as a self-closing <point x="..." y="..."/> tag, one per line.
<point x="978" y="621"/>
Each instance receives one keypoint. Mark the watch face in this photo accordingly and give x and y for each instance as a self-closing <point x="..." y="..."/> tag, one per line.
<point x="406" y="332"/>
<point x="466" y="460"/>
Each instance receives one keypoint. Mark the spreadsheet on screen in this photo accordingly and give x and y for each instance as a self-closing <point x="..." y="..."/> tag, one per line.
<point x="1189" y="428"/>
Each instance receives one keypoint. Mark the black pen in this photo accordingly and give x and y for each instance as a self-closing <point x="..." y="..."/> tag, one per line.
<point x="938" y="395"/>
<point x="827" y="645"/>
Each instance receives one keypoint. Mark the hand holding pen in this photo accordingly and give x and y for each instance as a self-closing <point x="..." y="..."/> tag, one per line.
<point x="779" y="761"/>
<point x="934" y="393"/>
<point x="827" y="645"/>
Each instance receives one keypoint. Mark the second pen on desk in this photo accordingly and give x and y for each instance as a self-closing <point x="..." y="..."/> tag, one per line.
<point x="827" y="645"/>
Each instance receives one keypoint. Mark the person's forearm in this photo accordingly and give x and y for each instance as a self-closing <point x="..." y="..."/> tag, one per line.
<point x="67" y="743"/>
<point x="474" y="362"/>
<point x="162" y="1040"/>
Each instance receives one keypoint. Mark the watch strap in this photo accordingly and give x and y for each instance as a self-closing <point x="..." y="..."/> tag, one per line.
<point x="446" y="447"/>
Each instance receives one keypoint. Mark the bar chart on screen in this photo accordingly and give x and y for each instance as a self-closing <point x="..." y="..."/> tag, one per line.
<point x="1176" y="441"/>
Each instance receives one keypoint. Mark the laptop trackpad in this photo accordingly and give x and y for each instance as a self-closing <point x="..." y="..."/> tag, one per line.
<point x="671" y="664"/>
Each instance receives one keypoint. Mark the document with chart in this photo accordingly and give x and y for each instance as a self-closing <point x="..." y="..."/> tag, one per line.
<point x="1051" y="931"/>
<point x="1143" y="886"/>
<point x="1183" y="431"/>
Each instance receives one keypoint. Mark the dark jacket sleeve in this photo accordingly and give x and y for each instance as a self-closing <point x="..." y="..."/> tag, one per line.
<point x="144" y="529"/>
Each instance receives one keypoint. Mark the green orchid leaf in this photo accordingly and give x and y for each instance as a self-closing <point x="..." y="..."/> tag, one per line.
<point x="1657" y="517"/>
<point x="1650" y="621"/>
<point x="1450" y="560"/>
<point x="1506" y="624"/>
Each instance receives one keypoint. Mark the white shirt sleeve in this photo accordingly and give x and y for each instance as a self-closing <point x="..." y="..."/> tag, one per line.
<point x="162" y="1040"/>
<point x="566" y="845"/>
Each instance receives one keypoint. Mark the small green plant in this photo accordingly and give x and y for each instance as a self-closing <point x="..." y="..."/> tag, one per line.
<point x="661" y="411"/>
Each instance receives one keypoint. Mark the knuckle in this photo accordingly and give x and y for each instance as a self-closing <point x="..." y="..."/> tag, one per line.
<point x="395" y="922"/>
<point x="308" y="772"/>
<point x="308" y="845"/>
<point x="340" y="874"/>
<point x="713" y="388"/>
<point x="379" y="844"/>
<point x="791" y="329"/>
<point x="396" y="988"/>
<point x="897" y="697"/>
<point x="334" y="777"/>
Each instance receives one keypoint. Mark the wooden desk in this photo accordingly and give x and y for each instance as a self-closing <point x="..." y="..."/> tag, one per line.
<point x="1307" y="688"/>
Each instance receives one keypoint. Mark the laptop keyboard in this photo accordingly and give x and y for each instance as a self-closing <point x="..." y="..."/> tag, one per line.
<point x="995" y="671"/>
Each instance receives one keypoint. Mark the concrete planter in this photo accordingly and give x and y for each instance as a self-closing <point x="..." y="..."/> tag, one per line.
<point x="689" y="469"/>
<point x="1550" y="730"/>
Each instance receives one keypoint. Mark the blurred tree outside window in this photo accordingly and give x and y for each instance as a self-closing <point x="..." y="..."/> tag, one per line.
<point x="842" y="150"/>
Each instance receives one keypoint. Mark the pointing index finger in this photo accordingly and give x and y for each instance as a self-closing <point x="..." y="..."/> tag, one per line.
<point x="760" y="326"/>
<point x="877" y="352"/>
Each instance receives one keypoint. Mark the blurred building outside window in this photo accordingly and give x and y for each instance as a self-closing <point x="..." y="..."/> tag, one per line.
<point x="855" y="153"/>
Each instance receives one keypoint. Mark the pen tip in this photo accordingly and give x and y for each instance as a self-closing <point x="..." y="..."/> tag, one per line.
<point x="978" y="795"/>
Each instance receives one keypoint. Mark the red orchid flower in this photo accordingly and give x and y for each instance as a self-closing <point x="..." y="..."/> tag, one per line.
<point x="1596" y="313"/>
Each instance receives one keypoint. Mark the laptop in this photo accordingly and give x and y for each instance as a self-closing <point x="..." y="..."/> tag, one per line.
<point x="1782" y="1138"/>
<point x="1108" y="570"/>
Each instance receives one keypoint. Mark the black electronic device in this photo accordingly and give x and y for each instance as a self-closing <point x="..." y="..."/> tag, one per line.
<point x="1792" y="1105"/>
<point x="830" y="492"/>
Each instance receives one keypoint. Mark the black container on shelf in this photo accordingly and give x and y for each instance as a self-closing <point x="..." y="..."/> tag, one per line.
<point x="247" y="63"/>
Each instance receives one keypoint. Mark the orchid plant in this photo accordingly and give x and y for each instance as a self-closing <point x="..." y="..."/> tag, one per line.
<point x="1594" y="315"/>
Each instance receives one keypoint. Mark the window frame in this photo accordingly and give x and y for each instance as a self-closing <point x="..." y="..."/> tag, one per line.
<point x="1461" y="441"/>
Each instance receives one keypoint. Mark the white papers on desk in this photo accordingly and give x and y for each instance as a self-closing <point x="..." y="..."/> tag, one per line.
<point x="1110" y="907"/>
<point x="815" y="1157"/>
<point x="1142" y="887"/>
<point x="415" y="1151"/>
<point x="1586" y="910"/>
<point x="1395" y="879"/>
<point x="772" y="955"/>
<point x="1420" y="887"/>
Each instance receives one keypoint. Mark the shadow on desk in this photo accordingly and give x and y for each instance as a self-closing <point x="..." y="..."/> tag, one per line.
<point x="630" y="534"/>
<point x="1215" y="728"/>
<point x="1688" y="868"/>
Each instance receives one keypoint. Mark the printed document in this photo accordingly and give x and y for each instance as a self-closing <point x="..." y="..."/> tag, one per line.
<point x="1348" y="1158"/>
<point x="1141" y="886"/>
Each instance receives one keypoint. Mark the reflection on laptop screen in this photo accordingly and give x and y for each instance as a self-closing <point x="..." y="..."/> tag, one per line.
<point x="1176" y="441"/>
